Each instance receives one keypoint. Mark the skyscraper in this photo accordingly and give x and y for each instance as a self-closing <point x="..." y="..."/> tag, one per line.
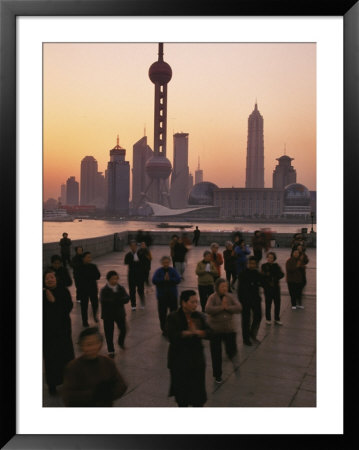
<point x="198" y="175"/>
<point x="118" y="178"/>
<point x="255" y="151"/>
<point x="63" y="194"/>
<point x="100" y="193"/>
<point x="180" y="171"/>
<point x="284" y="173"/>
<point x="190" y="183"/>
<point x="140" y="180"/>
<point x="88" y="180"/>
<point x="72" y="191"/>
<point x="158" y="167"/>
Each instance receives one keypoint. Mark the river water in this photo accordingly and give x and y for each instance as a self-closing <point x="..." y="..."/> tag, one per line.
<point x="52" y="231"/>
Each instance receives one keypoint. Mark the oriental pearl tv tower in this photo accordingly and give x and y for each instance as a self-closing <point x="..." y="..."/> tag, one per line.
<point x="159" y="168"/>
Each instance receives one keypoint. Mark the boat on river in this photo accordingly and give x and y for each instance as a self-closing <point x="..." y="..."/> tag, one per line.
<point x="56" y="215"/>
<point x="167" y="225"/>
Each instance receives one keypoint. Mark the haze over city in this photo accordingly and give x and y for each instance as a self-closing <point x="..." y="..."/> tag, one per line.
<point x="94" y="92"/>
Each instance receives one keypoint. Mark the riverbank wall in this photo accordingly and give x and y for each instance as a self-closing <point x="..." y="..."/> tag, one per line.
<point x="102" y="245"/>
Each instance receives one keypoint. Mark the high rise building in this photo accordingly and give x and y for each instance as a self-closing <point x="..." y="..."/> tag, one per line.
<point x="158" y="167"/>
<point x="198" y="175"/>
<point x="100" y="192"/>
<point x="62" y="198"/>
<point x="88" y="180"/>
<point x="284" y="173"/>
<point x="180" y="173"/>
<point x="72" y="191"/>
<point x="190" y="183"/>
<point x="255" y="151"/>
<point x="140" y="180"/>
<point x="118" y="179"/>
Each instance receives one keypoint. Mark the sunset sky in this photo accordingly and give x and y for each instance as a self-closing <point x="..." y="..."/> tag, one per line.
<point x="94" y="92"/>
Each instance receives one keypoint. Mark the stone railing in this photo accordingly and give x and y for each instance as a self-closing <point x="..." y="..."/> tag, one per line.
<point x="119" y="241"/>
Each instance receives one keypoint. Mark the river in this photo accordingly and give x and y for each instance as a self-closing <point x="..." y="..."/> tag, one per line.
<point x="87" y="228"/>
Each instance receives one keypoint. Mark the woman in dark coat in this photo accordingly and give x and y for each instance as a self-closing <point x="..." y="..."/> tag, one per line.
<point x="61" y="272"/>
<point x="295" y="279"/>
<point x="113" y="297"/>
<point x="58" y="349"/>
<point x="186" y="328"/>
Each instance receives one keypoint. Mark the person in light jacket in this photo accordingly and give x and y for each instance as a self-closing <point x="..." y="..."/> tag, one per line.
<point x="206" y="272"/>
<point x="220" y="307"/>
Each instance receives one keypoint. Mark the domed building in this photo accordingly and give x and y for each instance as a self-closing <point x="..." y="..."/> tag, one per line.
<point x="297" y="200"/>
<point x="202" y="194"/>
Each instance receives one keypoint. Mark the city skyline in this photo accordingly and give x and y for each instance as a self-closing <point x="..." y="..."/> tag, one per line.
<point x="216" y="118"/>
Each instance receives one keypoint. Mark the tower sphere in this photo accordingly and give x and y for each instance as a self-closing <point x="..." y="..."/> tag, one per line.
<point x="158" y="167"/>
<point x="160" y="72"/>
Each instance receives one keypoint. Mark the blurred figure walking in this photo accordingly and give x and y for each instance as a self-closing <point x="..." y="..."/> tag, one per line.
<point x="92" y="380"/>
<point x="179" y="256"/>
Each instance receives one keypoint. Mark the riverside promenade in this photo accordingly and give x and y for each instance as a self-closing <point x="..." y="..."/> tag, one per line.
<point x="280" y="371"/>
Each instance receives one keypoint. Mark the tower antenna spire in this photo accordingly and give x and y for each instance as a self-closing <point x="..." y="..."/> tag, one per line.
<point x="118" y="140"/>
<point x="160" y="51"/>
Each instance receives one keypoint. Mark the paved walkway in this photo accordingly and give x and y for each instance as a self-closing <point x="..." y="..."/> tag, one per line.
<point x="278" y="372"/>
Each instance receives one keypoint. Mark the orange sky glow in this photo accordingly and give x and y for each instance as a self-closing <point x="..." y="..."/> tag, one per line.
<point x="94" y="92"/>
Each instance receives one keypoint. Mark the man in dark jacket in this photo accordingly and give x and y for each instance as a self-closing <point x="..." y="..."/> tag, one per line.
<point x="179" y="256"/>
<point x="249" y="282"/>
<point x="65" y="244"/>
<point x="88" y="274"/>
<point x="272" y="273"/>
<point x="136" y="262"/>
<point x="258" y="243"/>
<point x="166" y="279"/>
<point x="113" y="297"/>
<point x="196" y="235"/>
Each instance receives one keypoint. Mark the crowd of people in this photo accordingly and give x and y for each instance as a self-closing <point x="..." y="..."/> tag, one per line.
<point x="94" y="380"/>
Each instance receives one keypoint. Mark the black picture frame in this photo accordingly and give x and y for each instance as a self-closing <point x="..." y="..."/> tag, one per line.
<point x="9" y="10"/>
